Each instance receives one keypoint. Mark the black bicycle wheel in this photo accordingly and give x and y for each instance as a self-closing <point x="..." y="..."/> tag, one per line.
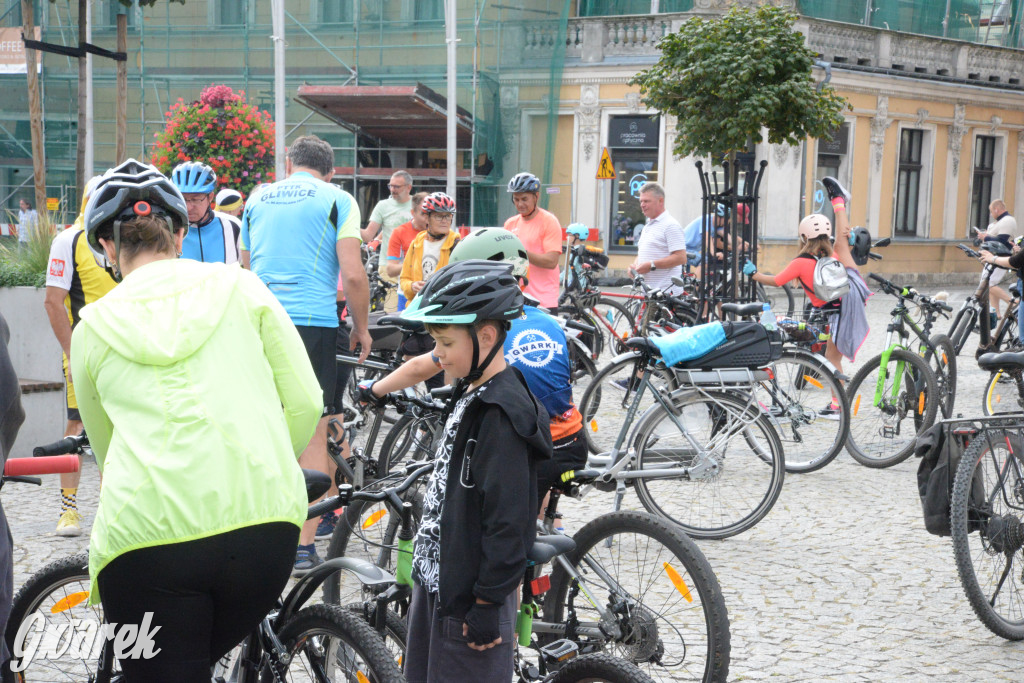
<point x="600" y="667"/>
<point x="593" y="340"/>
<point x="325" y="642"/>
<point x="729" y="458"/>
<point x="622" y="322"/>
<point x="940" y="354"/>
<point x="808" y="407"/>
<point x="890" y="407"/>
<point x="410" y="439"/>
<point x="53" y="599"/>
<point x="396" y="631"/>
<point x="604" y="403"/>
<point x="988" y="530"/>
<point x="666" y="597"/>
<point x="581" y="366"/>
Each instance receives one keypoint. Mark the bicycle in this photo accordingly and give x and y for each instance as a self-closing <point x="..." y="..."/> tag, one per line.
<point x="704" y="426"/>
<point x="975" y="309"/>
<point x="662" y="611"/>
<point x="316" y="643"/>
<point x="987" y="507"/>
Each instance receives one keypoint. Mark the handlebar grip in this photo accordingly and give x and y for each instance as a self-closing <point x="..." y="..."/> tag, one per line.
<point x="577" y="325"/>
<point x="54" y="464"/>
<point x="876" y="257"/>
<point x="944" y="306"/>
<point x="878" y="278"/>
<point x="69" y="444"/>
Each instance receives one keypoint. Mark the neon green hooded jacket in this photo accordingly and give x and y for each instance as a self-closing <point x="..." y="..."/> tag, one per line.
<point x="197" y="395"/>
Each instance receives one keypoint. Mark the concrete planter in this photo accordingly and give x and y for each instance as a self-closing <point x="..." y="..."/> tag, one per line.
<point x="36" y="356"/>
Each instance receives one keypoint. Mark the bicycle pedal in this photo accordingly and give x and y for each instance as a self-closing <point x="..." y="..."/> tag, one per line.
<point x="559" y="651"/>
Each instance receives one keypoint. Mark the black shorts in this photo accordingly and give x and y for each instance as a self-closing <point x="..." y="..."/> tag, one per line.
<point x="570" y="453"/>
<point x="320" y="343"/>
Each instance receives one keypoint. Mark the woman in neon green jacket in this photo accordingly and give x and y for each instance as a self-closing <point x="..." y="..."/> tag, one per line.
<point x="198" y="396"/>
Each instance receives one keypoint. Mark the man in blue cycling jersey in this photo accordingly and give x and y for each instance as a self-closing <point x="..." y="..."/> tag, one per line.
<point x="297" y="235"/>
<point x="212" y="235"/>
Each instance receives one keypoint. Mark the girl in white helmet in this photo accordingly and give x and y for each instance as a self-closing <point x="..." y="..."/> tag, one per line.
<point x="816" y="243"/>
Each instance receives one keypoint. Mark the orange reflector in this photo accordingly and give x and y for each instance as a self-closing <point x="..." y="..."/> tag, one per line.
<point x="593" y="425"/>
<point x="771" y="373"/>
<point x="856" y="405"/>
<point x="998" y="399"/>
<point x="540" y="585"/>
<point x="945" y="360"/>
<point x="361" y="678"/>
<point x="69" y="602"/>
<point x="678" y="582"/>
<point x="813" y="382"/>
<point x="374" y="518"/>
<point x="920" y="404"/>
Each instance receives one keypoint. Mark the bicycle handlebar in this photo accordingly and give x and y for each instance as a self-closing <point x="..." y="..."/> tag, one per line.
<point x="69" y="444"/>
<point x="346" y="494"/>
<point x="910" y="293"/>
<point x="54" y="464"/>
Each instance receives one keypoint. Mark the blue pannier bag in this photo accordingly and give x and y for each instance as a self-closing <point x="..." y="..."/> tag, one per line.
<point x="689" y="342"/>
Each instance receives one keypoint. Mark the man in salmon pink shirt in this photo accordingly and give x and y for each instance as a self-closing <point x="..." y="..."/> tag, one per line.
<point x="541" y="234"/>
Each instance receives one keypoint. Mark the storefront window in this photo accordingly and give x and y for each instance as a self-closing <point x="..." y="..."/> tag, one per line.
<point x="633" y="142"/>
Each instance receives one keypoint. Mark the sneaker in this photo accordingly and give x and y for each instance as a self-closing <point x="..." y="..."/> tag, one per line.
<point x="305" y="561"/>
<point x="835" y="189"/>
<point x="621" y="384"/>
<point x="325" y="529"/>
<point x="70" y="523"/>
<point x="830" y="412"/>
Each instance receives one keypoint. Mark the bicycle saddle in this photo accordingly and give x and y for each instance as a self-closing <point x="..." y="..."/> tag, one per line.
<point x="549" y="546"/>
<point x="1002" y="361"/>
<point x="743" y="310"/>
<point x="317" y="483"/>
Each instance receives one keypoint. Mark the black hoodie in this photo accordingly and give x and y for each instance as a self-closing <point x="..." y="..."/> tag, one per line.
<point x="488" y="522"/>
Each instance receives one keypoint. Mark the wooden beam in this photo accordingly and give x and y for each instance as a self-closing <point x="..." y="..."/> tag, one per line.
<point x="35" y="112"/>
<point x="122" y="87"/>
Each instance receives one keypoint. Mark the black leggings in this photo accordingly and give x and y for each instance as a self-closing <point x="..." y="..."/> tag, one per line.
<point x="205" y="595"/>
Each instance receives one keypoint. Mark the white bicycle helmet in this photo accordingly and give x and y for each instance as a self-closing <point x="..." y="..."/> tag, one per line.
<point x="813" y="226"/>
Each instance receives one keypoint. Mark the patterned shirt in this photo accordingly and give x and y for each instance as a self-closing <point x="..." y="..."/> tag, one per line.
<point x="426" y="554"/>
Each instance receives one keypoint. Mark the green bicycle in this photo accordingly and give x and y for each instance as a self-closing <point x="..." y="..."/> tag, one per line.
<point x="895" y="396"/>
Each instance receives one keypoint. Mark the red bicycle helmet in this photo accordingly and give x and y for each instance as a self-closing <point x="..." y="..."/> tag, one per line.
<point x="438" y="202"/>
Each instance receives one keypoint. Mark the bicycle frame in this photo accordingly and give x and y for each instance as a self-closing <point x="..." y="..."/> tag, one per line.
<point x="897" y="327"/>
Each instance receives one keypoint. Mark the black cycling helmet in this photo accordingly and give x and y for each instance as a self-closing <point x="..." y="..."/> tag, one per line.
<point x="466" y="293"/>
<point x="129" y="190"/>
<point x="860" y="245"/>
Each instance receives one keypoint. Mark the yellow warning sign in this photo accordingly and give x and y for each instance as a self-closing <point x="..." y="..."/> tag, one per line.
<point x="52" y="203"/>
<point x="605" y="170"/>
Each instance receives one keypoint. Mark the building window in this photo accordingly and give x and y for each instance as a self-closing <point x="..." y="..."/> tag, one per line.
<point x="832" y="161"/>
<point x="335" y="12"/>
<point x="429" y="10"/>
<point x="908" y="186"/>
<point x="633" y="144"/>
<point x="230" y="13"/>
<point x="981" y="183"/>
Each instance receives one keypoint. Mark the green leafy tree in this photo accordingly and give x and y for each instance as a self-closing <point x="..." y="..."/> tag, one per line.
<point x="726" y="78"/>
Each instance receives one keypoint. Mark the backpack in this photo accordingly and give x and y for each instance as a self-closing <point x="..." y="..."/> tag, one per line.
<point x="940" y="448"/>
<point x="831" y="281"/>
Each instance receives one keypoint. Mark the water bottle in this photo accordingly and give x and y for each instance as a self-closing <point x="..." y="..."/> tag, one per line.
<point x="768" y="320"/>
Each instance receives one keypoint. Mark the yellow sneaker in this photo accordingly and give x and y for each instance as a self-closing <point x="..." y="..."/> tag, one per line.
<point x="70" y="524"/>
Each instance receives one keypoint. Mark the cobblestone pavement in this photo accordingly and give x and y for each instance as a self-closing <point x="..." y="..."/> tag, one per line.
<point x="839" y="582"/>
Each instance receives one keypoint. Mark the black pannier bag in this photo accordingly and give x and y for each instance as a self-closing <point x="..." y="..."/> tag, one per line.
<point x="940" y="448"/>
<point x="746" y="345"/>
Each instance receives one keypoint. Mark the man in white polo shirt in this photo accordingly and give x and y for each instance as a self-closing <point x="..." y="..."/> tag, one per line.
<point x="661" y="251"/>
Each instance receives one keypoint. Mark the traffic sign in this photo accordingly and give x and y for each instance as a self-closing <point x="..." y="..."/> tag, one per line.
<point x="605" y="170"/>
<point x="52" y="203"/>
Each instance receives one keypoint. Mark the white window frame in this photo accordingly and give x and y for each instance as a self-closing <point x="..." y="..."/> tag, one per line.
<point x="924" y="195"/>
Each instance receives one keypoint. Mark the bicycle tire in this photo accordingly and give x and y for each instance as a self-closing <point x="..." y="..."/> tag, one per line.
<point x="592" y="340"/>
<point x="698" y="626"/>
<point x="600" y="667"/>
<point x="808" y="406"/>
<point x="943" y="363"/>
<point x="1001" y="394"/>
<point x="995" y="486"/>
<point x="581" y="366"/>
<point x="710" y="418"/>
<point x="411" y="438"/>
<point x="887" y="421"/>
<point x="622" y="323"/>
<point x="396" y="631"/>
<point x="329" y="637"/>
<point x="58" y="593"/>
<point x="368" y="531"/>
<point x="603" y="404"/>
<point x="962" y="327"/>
